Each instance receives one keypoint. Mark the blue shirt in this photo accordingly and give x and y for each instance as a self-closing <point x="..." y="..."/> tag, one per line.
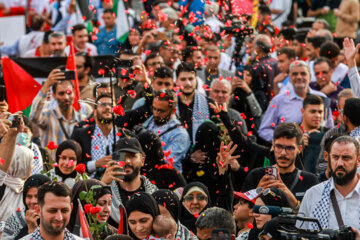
<point x="107" y="43"/>
<point x="177" y="140"/>
<point x="286" y="107"/>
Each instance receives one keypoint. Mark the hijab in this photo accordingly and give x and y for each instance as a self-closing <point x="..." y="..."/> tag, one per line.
<point x="142" y="202"/>
<point x="33" y="181"/>
<point x="68" y="144"/>
<point x="186" y="218"/>
<point x="76" y="190"/>
<point x="19" y="170"/>
<point x="169" y="200"/>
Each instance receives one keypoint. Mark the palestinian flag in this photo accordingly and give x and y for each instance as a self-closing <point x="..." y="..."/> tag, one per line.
<point x="81" y="222"/>
<point x="122" y="25"/>
<point x="21" y="88"/>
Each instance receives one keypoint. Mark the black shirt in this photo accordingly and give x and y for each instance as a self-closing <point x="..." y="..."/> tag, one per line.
<point x="306" y="180"/>
<point x="125" y="195"/>
<point x="322" y="3"/>
<point x="186" y="113"/>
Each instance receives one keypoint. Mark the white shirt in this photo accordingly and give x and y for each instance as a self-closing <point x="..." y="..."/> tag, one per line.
<point x="339" y="73"/>
<point x="284" y="6"/>
<point x="348" y="206"/>
<point x="89" y="48"/>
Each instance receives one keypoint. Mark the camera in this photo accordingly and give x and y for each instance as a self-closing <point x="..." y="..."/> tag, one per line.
<point x="124" y="69"/>
<point x="283" y="226"/>
<point x="15" y="120"/>
<point x="238" y="28"/>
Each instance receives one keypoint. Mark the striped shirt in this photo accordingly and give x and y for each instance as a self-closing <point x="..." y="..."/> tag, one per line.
<point x="49" y="119"/>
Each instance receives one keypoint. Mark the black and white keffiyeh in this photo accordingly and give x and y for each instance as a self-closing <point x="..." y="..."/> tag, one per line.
<point x="100" y="143"/>
<point x="322" y="208"/>
<point x="38" y="161"/>
<point x="355" y="133"/>
<point x="201" y="112"/>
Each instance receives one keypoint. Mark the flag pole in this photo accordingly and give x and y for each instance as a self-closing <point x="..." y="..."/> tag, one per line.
<point x="112" y="112"/>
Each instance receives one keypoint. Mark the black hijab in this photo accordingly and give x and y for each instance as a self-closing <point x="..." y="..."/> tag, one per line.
<point x="76" y="190"/>
<point x="33" y="181"/>
<point x="169" y="200"/>
<point x="68" y="144"/>
<point x="186" y="218"/>
<point x="142" y="202"/>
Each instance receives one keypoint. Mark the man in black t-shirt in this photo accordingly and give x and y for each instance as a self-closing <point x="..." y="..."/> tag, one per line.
<point x="129" y="181"/>
<point x="287" y="144"/>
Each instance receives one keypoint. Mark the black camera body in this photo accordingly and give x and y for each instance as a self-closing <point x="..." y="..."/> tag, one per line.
<point x="124" y="70"/>
<point x="288" y="230"/>
<point x="15" y="120"/>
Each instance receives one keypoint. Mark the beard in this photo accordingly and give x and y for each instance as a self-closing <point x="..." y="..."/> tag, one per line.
<point x="65" y="105"/>
<point x="287" y="159"/>
<point x="188" y="93"/>
<point x="50" y="229"/>
<point x="342" y="179"/>
<point x="103" y="120"/>
<point x="133" y="175"/>
<point x="161" y="121"/>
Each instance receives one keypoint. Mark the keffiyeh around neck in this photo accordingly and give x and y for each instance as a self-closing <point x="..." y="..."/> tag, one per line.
<point x="200" y="113"/>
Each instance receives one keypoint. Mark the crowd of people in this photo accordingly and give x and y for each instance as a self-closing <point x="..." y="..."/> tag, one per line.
<point x="208" y="118"/>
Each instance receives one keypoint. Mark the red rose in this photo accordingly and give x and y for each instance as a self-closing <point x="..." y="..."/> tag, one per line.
<point x="51" y="145"/>
<point x="118" y="109"/>
<point x="80" y="168"/>
<point x="95" y="210"/>
<point x="87" y="208"/>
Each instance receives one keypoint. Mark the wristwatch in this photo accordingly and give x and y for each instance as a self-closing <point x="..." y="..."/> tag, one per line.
<point x="297" y="207"/>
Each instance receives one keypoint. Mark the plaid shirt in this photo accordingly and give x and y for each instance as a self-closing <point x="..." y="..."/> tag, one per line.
<point x="37" y="236"/>
<point x="48" y="120"/>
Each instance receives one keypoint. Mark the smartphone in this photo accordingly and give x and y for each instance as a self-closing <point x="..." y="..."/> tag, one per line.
<point x="220" y="234"/>
<point x="69" y="75"/>
<point x="271" y="171"/>
<point x="15" y="120"/>
<point x="119" y="157"/>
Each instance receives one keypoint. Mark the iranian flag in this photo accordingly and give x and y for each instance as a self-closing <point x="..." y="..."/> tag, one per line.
<point x="122" y="26"/>
<point x="21" y="88"/>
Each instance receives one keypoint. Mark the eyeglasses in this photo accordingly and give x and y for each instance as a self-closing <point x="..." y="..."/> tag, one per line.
<point x="102" y="104"/>
<point x="288" y="149"/>
<point x="190" y="198"/>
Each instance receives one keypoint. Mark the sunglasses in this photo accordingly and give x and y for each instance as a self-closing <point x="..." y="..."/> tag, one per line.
<point x="190" y="198"/>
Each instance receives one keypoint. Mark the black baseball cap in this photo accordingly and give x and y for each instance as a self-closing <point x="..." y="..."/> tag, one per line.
<point x="128" y="145"/>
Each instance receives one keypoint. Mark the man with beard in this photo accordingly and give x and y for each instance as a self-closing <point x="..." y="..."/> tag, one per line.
<point x="56" y="123"/>
<point x="165" y="123"/>
<point x="125" y="179"/>
<point x="84" y="64"/>
<point x="341" y="190"/>
<point x="54" y="210"/>
<point x="57" y="42"/>
<point x="286" y="106"/>
<point x="287" y="145"/>
<point x="97" y="139"/>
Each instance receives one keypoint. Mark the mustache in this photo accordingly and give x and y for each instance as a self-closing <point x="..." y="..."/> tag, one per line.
<point x="283" y="158"/>
<point x="340" y="168"/>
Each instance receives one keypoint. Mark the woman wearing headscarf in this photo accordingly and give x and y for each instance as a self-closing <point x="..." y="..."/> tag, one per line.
<point x="12" y="182"/>
<point x="269" y="197"/>
<point x="23" y="222"/>
<point x="68" y="154"/>
<point x="155" y="168"/>
<point x="141" y="210"/>
<point x="102" y="196"/>
<point x="169" y="205"/>
<point x="249" y="98"/>
<point x="194" y="200"/>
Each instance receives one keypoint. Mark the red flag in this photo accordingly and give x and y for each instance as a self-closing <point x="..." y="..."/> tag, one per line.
<point x="20" y="86"/>
<point x="122" y="229"/>
<point x="71" y="65"/>
<point x="84" y="231"/>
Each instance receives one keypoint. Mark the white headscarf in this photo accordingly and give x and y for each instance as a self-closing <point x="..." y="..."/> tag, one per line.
<point x="17" y="174"/>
